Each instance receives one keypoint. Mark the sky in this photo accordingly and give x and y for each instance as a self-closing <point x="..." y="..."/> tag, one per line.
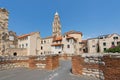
<point x="91" y="17"/>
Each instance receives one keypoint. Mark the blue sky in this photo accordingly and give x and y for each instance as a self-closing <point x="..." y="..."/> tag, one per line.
<point x="91" y="17"/>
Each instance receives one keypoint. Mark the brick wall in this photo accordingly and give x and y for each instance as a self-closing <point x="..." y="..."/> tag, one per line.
<point x="104" y="67"/>
<point x="77" y="66"/>
<point x="52" y="62"/>
<point x="111" y="69"/>
<point x="32" y="62"/>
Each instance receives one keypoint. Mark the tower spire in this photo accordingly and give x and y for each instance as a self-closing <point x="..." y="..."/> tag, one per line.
<point x="56" y="25"/>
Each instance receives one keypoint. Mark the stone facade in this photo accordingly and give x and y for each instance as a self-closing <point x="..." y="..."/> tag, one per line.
<point x="31" y="42"/>
<point x="101" y="43"/>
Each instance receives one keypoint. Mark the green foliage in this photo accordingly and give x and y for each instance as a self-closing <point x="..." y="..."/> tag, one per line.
<point x="113" y="49"/>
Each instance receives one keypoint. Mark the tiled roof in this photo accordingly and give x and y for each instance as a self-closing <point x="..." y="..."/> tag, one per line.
<point x="56" y="44"/>
<point x="73" y="32"/>
<point x="103" y="36"/>
<point x="25" y="35"/>
<point x="69" y="37"/>
<point x="48" y="37"/>
<point x="57" y="38"/>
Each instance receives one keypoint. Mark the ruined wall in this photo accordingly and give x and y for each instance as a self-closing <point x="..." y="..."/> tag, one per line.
<point x="111" y="69"/>
<point x="104" y="67"/>
<point x="19" y="51"/>
<point x="31" y="62"/>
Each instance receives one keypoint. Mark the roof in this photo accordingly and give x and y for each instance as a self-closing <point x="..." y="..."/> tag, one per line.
<point x="84" y="41"/>
<point x="104" y="36"/>
<point x="25" y="35"/>
<point x="48" y="37"/>
<point x="56" y="44"/>
<point x="57" y="38"/>
<point x="69" y="37"/>
<point x="73" y="32"/>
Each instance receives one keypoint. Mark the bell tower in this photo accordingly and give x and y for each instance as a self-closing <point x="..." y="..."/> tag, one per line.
<point x="3" y="20"/>
<point x="56" y="25"/>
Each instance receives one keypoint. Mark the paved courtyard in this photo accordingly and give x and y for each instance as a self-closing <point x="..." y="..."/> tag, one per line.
<point x="62" y="73"/>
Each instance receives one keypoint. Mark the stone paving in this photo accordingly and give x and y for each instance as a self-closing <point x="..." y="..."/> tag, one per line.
<point x="62" y="73"/>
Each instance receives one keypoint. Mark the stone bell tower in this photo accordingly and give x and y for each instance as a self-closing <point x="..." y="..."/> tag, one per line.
<point x="3" y="20"/>
<point x="56" y="25"/>
<point x="3" y="30"/>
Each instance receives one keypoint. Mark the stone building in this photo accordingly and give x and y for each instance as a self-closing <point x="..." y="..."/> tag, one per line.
<point x="8" y="39"/>
<point x="33" y="44"/>
<point x="59" y="43"/>
<point x="101" y="43"/>
<point x="29" y="44"/>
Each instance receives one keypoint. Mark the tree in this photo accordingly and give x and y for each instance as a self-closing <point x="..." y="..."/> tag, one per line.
<point x="114" y="49"/>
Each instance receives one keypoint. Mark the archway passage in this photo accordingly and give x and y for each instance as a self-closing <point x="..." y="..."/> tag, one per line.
<point x="14" y="54"/>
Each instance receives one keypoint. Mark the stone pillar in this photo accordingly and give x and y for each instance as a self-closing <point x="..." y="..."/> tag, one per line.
<point x="112" y="68"/>
<point x="31" y="61"/>
<point x="77" y="66"/>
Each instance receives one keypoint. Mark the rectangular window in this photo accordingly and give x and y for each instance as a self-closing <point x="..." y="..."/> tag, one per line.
<point x="68" y="40"/>
<point x="104" y="44"/>
<point x="44" y="41"/>
<point x="12" y="46"/>
<point x="41" y="48"/>
<point x="113" y="43"/>
<point x="105" y="49"/>
<point x="41" y="42"/>
<point x="118" y="43"/>
<point x="93" y="46"/>
<point x="26" y="45"/>
<point x="68" y="46"/>
<point x="11" y="38"/>
<point x="115" y="37"/>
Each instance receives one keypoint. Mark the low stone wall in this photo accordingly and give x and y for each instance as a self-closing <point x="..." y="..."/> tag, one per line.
<point x="104" y="67"/>
<point x="65" y="57"/>
<point x="13" y="62"/>
<point x="111" y="69"/>
<point x="32" y="62"/>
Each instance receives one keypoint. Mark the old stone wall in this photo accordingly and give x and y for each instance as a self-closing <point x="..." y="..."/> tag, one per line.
<point x="32" y="62"/>
<point x="102" y="66"/>
<point x="18" y="51"/>
<point x="65" y="57"/>
<point x="13" y="62"/>
<point x="52" y="62"/>
<point x="111" y="69"/>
